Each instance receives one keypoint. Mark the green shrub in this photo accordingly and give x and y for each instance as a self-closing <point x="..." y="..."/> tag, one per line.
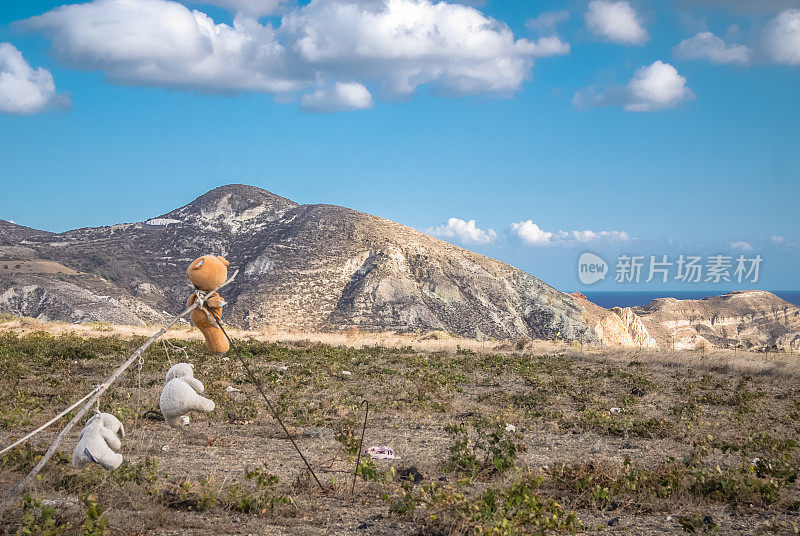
<point x="490" y="449"/>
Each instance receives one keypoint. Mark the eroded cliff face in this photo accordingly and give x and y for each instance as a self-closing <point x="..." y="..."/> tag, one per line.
<point x="751" y="319"/>
<point x="617" y="326"/>
<point x="744" y="319"/>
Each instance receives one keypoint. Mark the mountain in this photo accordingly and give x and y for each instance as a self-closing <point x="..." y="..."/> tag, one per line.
<point x="309" y="267"/>
<point x="329" y="268"/>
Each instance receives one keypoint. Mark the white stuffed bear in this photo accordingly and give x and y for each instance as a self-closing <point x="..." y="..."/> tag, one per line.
<point x="179" y="397"/>
<point x="180" y="370"/>
<point x="98" y="441"/>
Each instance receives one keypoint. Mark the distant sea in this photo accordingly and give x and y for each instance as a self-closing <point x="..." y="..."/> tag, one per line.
<point x="634" y="298"/>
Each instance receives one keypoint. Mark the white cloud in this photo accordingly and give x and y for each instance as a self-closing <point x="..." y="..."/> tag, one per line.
<point x="782" y="37"/>
<point x="466" y="232"/>
<point x="397" y="44"/>
<point x="23" y="89"/>
<point x="548" y="46"/>
<point x="615" y="21"/>
<point x="706" y="45"/>
<point x="162" y="43"/>
<point x="590" y="236"/>
<point x="775" y="239"/>
<point x="342" y="96"/>
<point x="406" y="43"/>
<point x="741" y="245"/>
<point x="533" y="235"/>
<point x="547" y="21"/>
<point x="255" y="8"/>
<point x="653" y="87"/>
<point x="657" y="86"/>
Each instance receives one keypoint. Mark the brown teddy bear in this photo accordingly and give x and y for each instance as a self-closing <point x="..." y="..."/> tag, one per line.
<point x="206" y="274"/>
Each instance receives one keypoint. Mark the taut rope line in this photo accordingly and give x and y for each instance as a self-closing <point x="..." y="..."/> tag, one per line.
<point x="102" y="389"/>
<point x="360" y="445"/>
<point x="48" y="423"/>
<point x="269" y="404"/>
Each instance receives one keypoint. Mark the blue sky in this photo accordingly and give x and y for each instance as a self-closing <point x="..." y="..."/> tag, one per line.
<point x="602" y="121"/>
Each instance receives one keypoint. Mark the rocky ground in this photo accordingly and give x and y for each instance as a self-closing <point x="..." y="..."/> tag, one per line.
<point x="603" y="440"/>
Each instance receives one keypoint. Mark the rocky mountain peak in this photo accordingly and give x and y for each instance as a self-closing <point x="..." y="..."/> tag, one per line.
<point x="233" y="207"/>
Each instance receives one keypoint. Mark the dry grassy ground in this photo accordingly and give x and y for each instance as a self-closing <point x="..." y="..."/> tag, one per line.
<point x="694" y="442"/>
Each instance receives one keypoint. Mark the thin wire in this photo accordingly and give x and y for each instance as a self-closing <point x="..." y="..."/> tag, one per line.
<point x="360" y="445"/>
<point x="266" y="399"/>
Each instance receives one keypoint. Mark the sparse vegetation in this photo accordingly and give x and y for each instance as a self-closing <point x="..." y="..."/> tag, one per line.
<point x="595" y="434"/>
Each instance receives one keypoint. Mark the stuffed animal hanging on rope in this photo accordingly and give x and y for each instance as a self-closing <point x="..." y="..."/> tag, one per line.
<point x="206" y="274"/>
<point x="182" y="395"/>
<point x="98" y="442"/>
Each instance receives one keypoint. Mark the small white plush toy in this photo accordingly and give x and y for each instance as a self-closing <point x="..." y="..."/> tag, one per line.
<point x="181" y="395"/>
<point x="98" y="441"/>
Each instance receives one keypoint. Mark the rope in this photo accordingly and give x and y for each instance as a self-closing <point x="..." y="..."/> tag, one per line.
<point x="48" y="423"/>
<point x="266" y="399"/>
<point x="95" y="397"/>
<point x="360" y="445"/>
<point x="175" y="347"/>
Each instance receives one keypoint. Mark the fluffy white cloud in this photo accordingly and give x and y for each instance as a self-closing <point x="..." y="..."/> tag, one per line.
<point x="775" y="239"/>
<point x="741" y="245"/>
<point x="653" y="87"/>
<point x="782" y="37"/>
<point x="466" y="232"/>
<point x="533" y="235"/>
<point x="342" y="96"/>
<point x="615" y="21"/>
<point x="406" y="43"/>
<point x="547" y="21"/>
<point x="397" y="44"/>
<point x="23" y="89"/>
<point x="162" y="43"/>
<point x="706" y="45"/>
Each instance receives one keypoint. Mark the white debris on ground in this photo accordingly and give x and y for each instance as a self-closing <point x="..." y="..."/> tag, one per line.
<point x="382" y="453"/>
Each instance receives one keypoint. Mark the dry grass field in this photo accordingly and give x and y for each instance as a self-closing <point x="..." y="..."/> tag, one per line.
<point x="493" y="437"/>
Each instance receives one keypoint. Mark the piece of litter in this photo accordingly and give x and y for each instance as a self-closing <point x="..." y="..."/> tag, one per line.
<point x="382" y="453"/>
<point x="283" y="367"/>
<point x="226" y="358"/>
<point x="614" y="411"/>
<point x="346" y="373"/>
<point x="232" y="389"/>
<point x="510" y="428"/>
<point x="165" y="448"/>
